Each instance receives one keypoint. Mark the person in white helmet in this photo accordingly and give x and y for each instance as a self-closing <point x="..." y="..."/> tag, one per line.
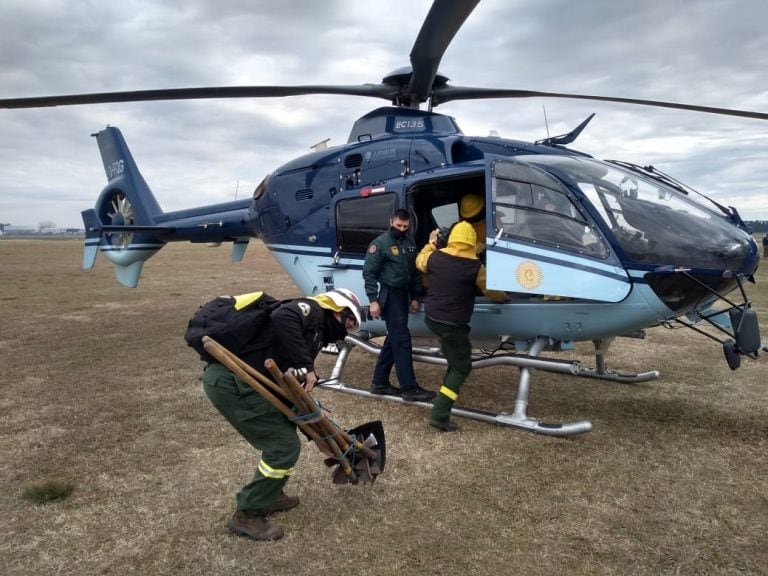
<point x="299" y="329"/>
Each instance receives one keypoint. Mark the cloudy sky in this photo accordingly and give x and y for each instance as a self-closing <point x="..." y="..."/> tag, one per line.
<point x="707" y="52"/>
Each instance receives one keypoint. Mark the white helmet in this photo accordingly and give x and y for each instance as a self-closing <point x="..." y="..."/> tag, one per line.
<point x="343" y="298"/>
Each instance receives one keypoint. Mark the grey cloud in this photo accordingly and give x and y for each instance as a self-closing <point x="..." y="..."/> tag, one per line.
<point x="706" y="52"/>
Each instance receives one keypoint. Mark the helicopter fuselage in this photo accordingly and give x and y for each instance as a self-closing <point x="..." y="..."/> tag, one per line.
<point x="585" y="249"/>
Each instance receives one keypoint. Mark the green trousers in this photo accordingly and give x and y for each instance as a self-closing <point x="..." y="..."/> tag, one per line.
<point x="457" y="349"/>
<point x="264" y="427"/>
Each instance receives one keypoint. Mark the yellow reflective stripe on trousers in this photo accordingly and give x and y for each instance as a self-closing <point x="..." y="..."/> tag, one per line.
<point x="274" y="473"/>
<point x="448" y="392"/>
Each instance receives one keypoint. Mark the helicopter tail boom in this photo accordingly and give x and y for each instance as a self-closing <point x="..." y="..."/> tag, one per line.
<point x="128" y="226"/>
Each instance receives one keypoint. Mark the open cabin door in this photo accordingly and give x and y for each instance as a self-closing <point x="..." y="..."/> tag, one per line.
<point x="539" y="240"/>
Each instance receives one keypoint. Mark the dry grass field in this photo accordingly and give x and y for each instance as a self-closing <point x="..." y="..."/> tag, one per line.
<point x="99" y="393"/>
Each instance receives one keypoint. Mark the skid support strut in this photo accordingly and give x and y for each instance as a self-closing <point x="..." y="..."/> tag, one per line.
<point x="526" y="363"/>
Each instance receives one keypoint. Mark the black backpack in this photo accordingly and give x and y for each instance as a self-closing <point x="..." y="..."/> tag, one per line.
<point x="241" y="331"/>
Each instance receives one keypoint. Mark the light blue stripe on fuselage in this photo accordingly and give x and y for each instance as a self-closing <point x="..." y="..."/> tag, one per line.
<point x="522" y="268"/>
<point x="575" y="261"/>
<point x="522" y="318"/>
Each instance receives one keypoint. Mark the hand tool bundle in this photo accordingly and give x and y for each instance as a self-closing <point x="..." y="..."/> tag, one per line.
<point x="358" y="454"/>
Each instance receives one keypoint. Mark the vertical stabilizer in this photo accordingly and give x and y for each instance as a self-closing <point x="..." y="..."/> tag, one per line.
<point x="129" y="275"/>
<point x="92" y="238"/>
<point x="122" y="225"/>
<point x="123" y="173"/>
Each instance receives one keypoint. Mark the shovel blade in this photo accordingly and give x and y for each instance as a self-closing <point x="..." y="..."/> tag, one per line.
<point x="364" y="432"/>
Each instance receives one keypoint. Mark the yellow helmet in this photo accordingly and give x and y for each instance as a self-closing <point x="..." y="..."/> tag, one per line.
<point x="471" y="205"/>
<point x="463" y="233"/>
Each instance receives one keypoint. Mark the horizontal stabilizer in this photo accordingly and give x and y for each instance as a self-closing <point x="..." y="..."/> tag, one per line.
<point x="108" y="229"/>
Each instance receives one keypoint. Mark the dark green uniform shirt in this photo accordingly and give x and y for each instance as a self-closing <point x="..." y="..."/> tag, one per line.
<point x="391" y="262"/>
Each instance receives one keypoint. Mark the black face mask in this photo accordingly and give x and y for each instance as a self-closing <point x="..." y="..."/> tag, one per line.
<point x="397" y="234"/>
<point x="333" y="330"/>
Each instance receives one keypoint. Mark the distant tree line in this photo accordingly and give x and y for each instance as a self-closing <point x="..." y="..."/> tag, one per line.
<point x="757" y="225"/>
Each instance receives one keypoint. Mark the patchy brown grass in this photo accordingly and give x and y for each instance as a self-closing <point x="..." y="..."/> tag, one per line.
<point x="98" y="390"/>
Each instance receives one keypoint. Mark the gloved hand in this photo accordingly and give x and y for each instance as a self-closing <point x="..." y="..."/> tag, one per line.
<point x="434" y="235"/>
<point x="308" y="379"/>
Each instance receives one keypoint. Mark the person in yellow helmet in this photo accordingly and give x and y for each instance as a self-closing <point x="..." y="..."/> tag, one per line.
<point x="472" y="210"/>
<point x="454" y="273"/>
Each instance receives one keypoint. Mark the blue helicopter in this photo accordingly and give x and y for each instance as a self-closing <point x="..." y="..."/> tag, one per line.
<point x="586" y="249"/>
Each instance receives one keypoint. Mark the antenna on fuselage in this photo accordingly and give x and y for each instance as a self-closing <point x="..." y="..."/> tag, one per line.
<point x="322" y="145"/>
<point x="546" y="122"/>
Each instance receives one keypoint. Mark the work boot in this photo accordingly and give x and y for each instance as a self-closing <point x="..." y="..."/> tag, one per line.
<point x="444" y="425"/>
<point x="386" y="390"/>
<point x="417" y="394"/>
<point x="254" y="526"/>
<point x="283" y="503"/>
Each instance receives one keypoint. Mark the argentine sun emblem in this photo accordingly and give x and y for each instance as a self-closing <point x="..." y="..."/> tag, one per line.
<point x="529" y="275"/>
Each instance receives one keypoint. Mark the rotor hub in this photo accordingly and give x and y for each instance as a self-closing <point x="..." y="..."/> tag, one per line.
<point x="401" y="79"/>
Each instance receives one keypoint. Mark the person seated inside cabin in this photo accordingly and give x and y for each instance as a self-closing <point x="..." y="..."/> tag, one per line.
<point x="472" y="210"/>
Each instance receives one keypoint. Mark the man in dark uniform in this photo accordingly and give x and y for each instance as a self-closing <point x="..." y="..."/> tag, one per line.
<point x="393" y="286"/>
<point x="453" y="274"/>
<point x="299" y="329"/>
<point x="765" y="246"/>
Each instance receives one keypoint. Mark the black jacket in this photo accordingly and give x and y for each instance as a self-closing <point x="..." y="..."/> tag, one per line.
<point x="451" y="293"/>
<point x="300" y="328"/>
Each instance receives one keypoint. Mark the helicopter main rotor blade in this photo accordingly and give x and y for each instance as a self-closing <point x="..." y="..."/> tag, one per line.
<point x="372" y="90"/>
<point x="386" y="91"/>
<point x="443" y="21"/>
<point x="448" y="93"/>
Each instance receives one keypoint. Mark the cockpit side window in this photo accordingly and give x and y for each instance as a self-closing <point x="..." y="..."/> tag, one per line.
<point x="653" y="222"/>
<point x="542" y="215"/>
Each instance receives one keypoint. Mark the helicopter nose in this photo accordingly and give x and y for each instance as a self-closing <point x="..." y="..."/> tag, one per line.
<point x="742" y="254"/>
<point x="682" y="288"/>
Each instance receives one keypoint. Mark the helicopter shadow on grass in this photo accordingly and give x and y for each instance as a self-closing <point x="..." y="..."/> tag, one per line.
<point x="651" y="407"/>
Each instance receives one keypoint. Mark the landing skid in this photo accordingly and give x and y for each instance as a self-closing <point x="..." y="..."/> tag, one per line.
<point x="527" y="363"/>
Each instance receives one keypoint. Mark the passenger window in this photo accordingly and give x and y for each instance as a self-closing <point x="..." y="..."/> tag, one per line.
<point x="360" y="220"/>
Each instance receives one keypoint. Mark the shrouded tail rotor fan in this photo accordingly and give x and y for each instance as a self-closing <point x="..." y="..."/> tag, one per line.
<point x="119" y="212"/>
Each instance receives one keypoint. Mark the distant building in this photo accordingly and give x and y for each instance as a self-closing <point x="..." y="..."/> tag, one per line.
<point x="8" y="230"/>
<point x="19" y="230"/>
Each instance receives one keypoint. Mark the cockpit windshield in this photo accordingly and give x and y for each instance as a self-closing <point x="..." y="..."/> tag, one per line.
<point x="653" y="222"/>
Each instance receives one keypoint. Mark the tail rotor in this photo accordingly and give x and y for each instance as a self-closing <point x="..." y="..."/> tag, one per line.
<point x="120" y="213"/>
